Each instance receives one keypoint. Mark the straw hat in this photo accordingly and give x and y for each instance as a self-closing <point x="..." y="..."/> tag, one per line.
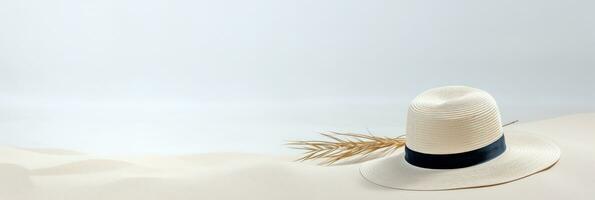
<point x="455" y="140"/>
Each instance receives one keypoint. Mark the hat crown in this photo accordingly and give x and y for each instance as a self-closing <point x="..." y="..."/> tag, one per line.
<point x="452" y="119"/>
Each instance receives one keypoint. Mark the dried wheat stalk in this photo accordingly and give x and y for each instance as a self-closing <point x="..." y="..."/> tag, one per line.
<point x="347" y="145"/>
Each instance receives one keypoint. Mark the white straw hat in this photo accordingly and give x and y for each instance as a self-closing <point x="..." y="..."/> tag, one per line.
<point x="455" y="140"/>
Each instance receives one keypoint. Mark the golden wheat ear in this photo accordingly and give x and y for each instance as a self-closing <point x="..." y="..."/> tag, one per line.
<point x="346" y="145"/>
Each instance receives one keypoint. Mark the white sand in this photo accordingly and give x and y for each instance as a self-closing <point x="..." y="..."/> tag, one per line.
<point x="48" y="174"/>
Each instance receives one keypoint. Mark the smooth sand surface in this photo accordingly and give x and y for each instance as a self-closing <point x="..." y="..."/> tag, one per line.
<point x="48" y="174"/>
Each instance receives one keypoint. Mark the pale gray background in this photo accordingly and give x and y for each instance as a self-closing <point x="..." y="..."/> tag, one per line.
<point x="132" y="76"/>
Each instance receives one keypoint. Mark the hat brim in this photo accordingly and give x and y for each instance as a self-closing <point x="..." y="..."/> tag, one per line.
<point x="525" y="155"/>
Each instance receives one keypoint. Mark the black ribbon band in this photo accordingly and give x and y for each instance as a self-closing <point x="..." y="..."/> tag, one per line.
<point x="457" y="160"/>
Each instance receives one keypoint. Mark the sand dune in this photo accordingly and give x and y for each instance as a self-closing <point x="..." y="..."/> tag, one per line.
<point x="14" y="181"/>
<point x="49" y="174"/>
<point x="82" y="167"/>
